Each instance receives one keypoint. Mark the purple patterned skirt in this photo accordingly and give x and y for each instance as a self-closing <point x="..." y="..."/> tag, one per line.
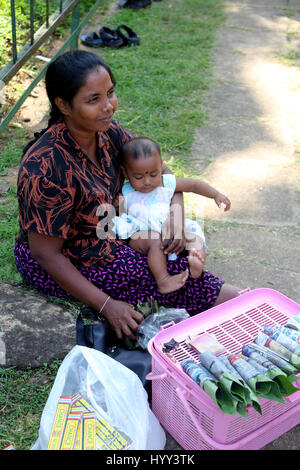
<point x="128" y="279"/>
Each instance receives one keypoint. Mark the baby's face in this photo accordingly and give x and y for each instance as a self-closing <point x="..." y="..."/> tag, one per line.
<point x="144" y="174"/>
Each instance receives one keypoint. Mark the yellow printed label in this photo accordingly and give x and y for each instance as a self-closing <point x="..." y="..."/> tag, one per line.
<point x="59" y="423"/>
<point x="89" y="431"/>
<point x="70" y="432"/>
<point x="108" y="437"/>
<point x="78" y="400"/>
<point x="78" y="445"/>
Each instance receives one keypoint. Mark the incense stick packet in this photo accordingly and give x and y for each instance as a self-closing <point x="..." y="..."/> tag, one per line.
<point x="60" y="419"/>
<point x="89" y="430"/>
<point x="107" y="437"/>
<point x="70" y="432"/>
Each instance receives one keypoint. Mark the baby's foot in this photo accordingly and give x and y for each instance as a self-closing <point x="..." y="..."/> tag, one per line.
<point x="172" y="283"/>
<point x="196" y="263"/>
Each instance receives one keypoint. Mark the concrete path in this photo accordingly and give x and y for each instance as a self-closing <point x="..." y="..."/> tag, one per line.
<point x="250" y="150"/>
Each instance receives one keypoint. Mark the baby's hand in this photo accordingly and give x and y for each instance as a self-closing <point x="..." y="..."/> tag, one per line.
<point x="221" y="199"/>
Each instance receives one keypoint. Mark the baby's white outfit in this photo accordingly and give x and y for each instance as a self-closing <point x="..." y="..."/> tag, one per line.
<point x="148" y="211"/>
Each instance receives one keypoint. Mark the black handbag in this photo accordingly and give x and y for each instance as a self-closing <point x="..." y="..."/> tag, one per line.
<point x="100" y="336"/>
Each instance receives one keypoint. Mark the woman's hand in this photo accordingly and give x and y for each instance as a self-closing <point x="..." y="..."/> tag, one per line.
<point x="47" y="251"/>
<point x="172" y="236"/>
<point x="123" y="318"/>
<point x="172" y="233"/>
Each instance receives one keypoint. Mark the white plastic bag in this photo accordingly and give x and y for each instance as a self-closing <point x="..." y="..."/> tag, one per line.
<point x="110" y="387"/>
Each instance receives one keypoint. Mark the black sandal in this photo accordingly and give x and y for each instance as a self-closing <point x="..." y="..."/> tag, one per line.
<point x="110" y="37"/>
<point x="91" y="40"/>
<point x="129" y="39"/>
<point x="135" y="4"/>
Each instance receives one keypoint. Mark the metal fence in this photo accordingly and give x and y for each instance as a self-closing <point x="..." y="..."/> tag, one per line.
<point x="37" y="38"/>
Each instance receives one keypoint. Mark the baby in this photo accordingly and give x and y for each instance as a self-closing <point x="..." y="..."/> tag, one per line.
<point x="147" y="198"/>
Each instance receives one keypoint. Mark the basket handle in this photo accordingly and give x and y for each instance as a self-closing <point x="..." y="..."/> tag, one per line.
<point x="182" y="396"/>
<point x="241" y="292"/>
<point x="166" y="325"/>
<point x="152" y="376"/>
<point x="236" y="445"/>
<point x="295" y="396"/>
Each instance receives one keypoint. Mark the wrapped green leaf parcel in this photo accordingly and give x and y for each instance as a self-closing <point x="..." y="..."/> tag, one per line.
<point x="232" y="384"/>
<point x="210" y="385"/>
<point x="264" y="340"/>
<point x="262" y="385"/>
<point x="272" y="371"/>
<point x="252" y="398"/>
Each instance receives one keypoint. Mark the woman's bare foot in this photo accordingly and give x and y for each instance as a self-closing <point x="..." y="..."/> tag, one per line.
<point x="196" y="263"/>
<point x="172" y="283"/>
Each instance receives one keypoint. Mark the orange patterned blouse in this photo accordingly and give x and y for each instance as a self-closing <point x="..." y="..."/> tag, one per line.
<point x="62" y="193"/>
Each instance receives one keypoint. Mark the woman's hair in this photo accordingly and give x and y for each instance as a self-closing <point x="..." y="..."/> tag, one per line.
<point x="64" y="77"/>
<point x="138" y="147"/>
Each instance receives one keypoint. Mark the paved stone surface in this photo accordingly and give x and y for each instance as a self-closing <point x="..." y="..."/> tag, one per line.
<point x="247" y="147"/>
<point x="255" y="256"/>
<point x="33" y="331"/>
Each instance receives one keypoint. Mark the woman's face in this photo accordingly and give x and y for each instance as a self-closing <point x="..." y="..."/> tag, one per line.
<point x="94" y="104"/>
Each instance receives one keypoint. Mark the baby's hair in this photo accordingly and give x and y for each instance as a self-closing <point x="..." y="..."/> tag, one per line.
<point x="138" y="147"/>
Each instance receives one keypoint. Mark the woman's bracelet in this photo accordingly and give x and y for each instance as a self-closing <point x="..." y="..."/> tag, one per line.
<point x="104" y="304"/>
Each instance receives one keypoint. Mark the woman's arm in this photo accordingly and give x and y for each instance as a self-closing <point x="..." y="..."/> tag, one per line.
<point x="172" y="235"/>
<point x="47" y="252"/>
<point x="188" y="185"/>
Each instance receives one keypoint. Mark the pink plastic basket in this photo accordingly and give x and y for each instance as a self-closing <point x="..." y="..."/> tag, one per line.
<point x="186" y="411"/>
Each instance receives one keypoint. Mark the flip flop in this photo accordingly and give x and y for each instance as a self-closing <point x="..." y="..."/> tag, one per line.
<point x="135" y="4"/>
<point x="110" y="37"/>
<point x="91" y="40"/>
<point x="129" y="39"/>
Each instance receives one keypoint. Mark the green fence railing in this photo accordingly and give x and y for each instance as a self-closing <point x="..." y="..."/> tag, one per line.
<point x="37" y="38"/>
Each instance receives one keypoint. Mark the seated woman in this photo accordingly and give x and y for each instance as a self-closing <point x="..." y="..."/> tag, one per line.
<point x="68" y="180"/>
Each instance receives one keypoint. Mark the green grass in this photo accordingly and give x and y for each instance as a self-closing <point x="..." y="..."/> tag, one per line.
<point x="23" y="395"/>
<point x="161" y="82"/>
<point x="291" y="58"/>
<point x="8" y="226"/>
<point x="160" y="85"/>
<point x="10" y="151"/>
